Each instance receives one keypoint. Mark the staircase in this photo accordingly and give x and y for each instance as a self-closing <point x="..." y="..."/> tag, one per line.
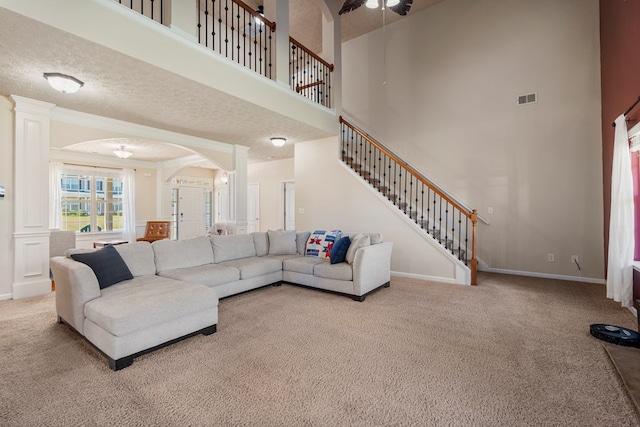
<point x="434" y="211"/>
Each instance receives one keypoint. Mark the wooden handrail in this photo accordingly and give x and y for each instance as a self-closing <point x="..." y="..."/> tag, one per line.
<point x="301" y="46"/>
<point x="417" y="174"/>
<point x="472" y="215"/>
<point x="243" y="5"/>
<point x="301" y="88"/>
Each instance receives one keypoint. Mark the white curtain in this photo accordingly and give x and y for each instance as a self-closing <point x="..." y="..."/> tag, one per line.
<point x="128" y="204"/>
<point x="621" y="224"/>
<point x="55" y="195"/>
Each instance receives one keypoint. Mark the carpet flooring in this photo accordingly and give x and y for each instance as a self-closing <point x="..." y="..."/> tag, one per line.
<point x="513" y="351"/>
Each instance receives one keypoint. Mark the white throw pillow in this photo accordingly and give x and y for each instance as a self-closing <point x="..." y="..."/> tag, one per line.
<point x="359" y="241"/>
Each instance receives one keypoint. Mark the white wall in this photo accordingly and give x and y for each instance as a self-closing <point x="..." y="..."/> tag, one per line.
<point x="444" y="95"/>
<point x="270" y="176"/>
<point x="333" y="197"/>
<point x="6" y="204"/>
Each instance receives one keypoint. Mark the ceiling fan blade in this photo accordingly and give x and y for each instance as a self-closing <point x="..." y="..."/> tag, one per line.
<point x="403" y="7"/>
<point x="350" y="5"/>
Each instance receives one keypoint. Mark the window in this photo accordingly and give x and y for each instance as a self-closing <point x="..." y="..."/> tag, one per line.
<point x="91" y="201"/>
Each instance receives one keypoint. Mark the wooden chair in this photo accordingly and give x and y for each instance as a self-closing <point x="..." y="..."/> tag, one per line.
<point x="59" y="242"/>
<point x="156" y="230"/>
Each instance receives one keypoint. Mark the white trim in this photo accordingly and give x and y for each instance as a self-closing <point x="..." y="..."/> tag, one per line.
<point x="184" y="34"/>
<point x="633" y="311"/>
<point x="89" y="159"/>
<point x="33" y="288"/>
<point x="5" y="296"/>
<point x="104" y="123"/>
<point x="427" y="277"/>
<point x="545" y="275"/>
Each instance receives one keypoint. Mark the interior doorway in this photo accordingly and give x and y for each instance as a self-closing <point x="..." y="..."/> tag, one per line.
<point x="253" y="208"/>
<point x="289" y="219"/>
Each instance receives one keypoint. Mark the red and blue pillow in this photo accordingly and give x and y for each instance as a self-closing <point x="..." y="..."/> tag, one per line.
<point x="320" y="243"/>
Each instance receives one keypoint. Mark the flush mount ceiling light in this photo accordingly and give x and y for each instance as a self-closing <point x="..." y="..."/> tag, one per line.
<point x="401" y="7"/>
<point x="122" y="153"/>
<point x="278" y="141"/>
<point x="63" y="82"/>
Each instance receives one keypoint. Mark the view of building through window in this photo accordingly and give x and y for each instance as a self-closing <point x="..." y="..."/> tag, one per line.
<point x="91" y="203"/>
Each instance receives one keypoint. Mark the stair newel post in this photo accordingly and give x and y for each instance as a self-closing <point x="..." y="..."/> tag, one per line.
<point x="474" y="259"/>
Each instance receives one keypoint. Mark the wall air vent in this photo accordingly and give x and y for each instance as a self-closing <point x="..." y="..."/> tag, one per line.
<point x="530" y="98"/>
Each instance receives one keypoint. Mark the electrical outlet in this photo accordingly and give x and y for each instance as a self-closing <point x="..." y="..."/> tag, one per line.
<point x="575" y="259"/>
<point x="551" y="257"/>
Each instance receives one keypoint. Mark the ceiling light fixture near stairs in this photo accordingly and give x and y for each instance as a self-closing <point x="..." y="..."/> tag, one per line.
<point x="373" y="4"/>
<point x="122" y="153"/>
<point x="401" y="7"/>
<point x="63" y="83"/>
<point x="278" y="141"/>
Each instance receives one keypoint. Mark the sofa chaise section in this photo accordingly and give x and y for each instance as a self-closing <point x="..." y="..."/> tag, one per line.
<point x="134" y="316"/>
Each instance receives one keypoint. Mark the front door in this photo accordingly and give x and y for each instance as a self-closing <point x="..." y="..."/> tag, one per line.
<point x="190" y="212"/>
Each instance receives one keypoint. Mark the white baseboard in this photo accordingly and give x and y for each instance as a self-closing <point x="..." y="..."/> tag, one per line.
<point x="546" y="275"/>
<point x="426" y="277"/>
<point x="31" y="289"/>
<point x="5" y="296"/>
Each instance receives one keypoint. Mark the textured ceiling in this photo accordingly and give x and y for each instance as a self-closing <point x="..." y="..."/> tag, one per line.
<point x="124" y="88"/>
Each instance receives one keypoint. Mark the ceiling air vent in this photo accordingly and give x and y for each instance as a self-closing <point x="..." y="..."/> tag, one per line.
<point x="530" y="98"/>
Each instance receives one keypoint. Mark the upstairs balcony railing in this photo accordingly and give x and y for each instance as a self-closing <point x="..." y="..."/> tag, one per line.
<point x="236" y="31"/>
<point x="429" y="207"/>
<point x="310" y="74"/>
<point x="153" y="9"/>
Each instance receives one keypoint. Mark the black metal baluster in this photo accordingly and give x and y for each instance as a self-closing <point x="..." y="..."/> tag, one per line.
<point x="466" y="241"/>
<point x="422" y="205"/>
<point x="270" y="54"/>
<point x="428" y="206"/>
<point x="434" y="215"/>
<point x="446" y="224"/>
<point x="220" y="27"/>
<point x="199" y="25"/>
<point x="459" y="234"/>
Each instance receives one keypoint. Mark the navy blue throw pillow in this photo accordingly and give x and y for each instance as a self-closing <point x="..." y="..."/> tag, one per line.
<point x="107" y="265"/>
<point x="339" y="250"/>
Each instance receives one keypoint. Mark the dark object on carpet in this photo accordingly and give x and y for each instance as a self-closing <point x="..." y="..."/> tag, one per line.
<point x="615" y="334"/>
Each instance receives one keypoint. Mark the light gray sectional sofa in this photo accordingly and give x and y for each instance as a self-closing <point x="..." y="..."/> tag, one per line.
<point x="173" y="288"/>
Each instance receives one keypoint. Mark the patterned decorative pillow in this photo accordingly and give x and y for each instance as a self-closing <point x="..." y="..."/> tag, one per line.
<point x="320" y="243"/>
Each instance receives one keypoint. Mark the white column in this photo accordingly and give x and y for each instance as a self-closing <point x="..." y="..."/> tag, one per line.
<point x="238" y="189"/>
<point x="332" y="53"/>
<point x="183" y="18"/>
<point x="31" y="192"/>
<point x="278" y="11"/>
